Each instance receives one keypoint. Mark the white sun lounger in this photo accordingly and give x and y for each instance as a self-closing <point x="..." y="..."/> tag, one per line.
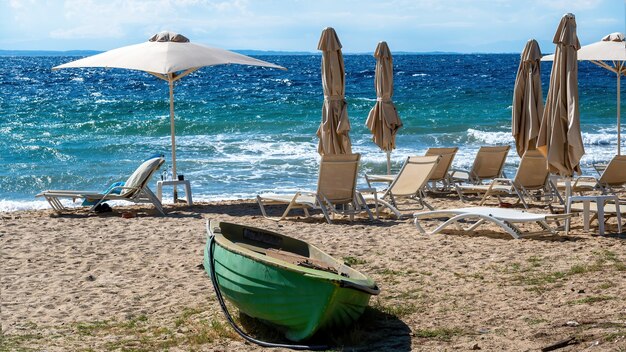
<point x="505" y="218"/>
<point x="135" y="190"/>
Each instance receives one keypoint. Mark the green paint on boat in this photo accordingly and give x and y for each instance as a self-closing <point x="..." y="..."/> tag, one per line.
<point x="285" y="282"/>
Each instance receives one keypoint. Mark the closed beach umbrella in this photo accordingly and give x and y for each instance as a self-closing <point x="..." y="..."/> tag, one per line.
<point x="527" y="99"/>
<point x="169" y="56"/>
<point x="559" y="138"/>
<point x="608" y="53"/>
<point x="335" y="126"/>
<point x="383" y="119"/>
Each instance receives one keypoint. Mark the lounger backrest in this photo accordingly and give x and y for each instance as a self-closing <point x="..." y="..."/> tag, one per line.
<point x="141" y="176"/>
<point x="615" y="172"/>
<point x="489" y="162"/>
<point x="532" y="172"/>
<point x="413" y="175"/>
<point x="447" y="155"/>
<point x="337" y="177"/>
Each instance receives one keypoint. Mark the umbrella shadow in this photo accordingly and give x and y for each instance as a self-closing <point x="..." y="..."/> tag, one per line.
<point x="375" y="330"/>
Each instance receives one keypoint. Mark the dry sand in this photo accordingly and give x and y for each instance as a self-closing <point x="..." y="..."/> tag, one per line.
<point x="83" y="281"/>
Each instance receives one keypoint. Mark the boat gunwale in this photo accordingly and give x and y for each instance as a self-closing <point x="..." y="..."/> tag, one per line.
<point x="368" y="284"/>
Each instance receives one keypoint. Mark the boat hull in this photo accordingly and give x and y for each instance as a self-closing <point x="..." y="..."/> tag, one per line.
<point x="299" y="303"/>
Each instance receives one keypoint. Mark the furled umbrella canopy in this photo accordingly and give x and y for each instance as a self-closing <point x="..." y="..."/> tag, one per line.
<point x="559" y="138"/>
<point x="383" y="119"/>
<point x="169" y="56"/>
<point x="335" y="126"/>
<point x="608" y="53"/>
<point x="527" y="99"/>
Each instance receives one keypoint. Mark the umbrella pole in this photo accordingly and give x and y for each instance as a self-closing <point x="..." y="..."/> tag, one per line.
<point x="619" y="127"/>
<point x="172" y="130"/>
<point x="388" y="162"/>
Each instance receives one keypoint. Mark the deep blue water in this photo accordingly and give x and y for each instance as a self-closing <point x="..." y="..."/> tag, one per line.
<point x="244" y="130"/>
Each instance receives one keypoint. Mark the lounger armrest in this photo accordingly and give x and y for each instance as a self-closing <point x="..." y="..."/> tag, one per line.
<point x="451" y="172"/>
<point x="584" y="178"/>
<point x="556" y="217"/>
<point x="503" y="180"/>
<point x="367" y="190"/>
<point x="378" y="178"/>
<point x="121" y="188"/>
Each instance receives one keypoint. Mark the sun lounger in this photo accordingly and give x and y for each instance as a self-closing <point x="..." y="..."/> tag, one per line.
<point x="612" y="177"/>
<point x="532" y="175"/>
<point x="504" y="218"/>
<point x="336" y="191"/>
<point x="440" y="174"/>
<point x="409" y="183"/>
<point x="488" y="164"/>
<point x="135" y="190"/>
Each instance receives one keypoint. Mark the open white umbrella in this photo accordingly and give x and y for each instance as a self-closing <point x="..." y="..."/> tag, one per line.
<point x="168" y="56"/>
<point x="609" y="53"/>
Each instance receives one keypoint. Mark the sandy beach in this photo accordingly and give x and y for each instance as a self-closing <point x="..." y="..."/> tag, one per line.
<point x="96" y="282"/>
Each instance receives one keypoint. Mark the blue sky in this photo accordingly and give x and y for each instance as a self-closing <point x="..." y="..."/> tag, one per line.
<point x="295" y="25"/>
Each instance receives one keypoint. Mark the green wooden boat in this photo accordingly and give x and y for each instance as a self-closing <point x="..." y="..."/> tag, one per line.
<point x="283" y="281"/>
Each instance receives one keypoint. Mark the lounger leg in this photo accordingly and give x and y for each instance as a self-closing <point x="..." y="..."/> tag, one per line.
<point x="55" y="203"/>
<point x="289" y="207"/>
<point x="260" y="202"/>
<point x="458" y="190"/>
<point x="391" y="207"/>
<point x="618" y="215"/>
<point x="323" y="209"/>
<point x="359" y="202"/>
<point x="520" y="196"/>
<point x="153" y="198"/>
<point x="508" y="227"/>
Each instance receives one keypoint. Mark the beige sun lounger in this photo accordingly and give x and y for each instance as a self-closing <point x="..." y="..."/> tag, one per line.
<point x="504" y="218"/>
<point x="488" y="164"/>
<point x="336" y="191"/>
<point x="409" y="183"/>
<point x="532" y="175"/>
<point x="135" y="190"/>
<point x="440" y="174"/>
<point x="613" y="176"/>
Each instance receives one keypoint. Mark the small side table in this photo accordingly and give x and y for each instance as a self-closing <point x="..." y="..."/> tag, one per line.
<point x="600" y="201"/>
<point x="186" y="183"/>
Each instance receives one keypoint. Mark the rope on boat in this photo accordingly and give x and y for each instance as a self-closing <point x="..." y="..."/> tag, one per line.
<point x="245" y="336"/>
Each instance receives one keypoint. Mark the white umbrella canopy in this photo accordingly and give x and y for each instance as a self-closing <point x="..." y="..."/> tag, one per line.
<point x="169" y="56"/>
<point x="608" y="53"/>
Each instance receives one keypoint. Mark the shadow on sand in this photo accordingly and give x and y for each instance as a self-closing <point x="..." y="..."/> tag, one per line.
<point x="374" y="331"/>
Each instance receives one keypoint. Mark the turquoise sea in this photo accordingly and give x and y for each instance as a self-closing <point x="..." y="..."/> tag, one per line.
<point x="245" y="130"/>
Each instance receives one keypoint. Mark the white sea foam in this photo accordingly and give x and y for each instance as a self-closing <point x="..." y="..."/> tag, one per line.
<point x="490" y="137"/>
<point x="15" y="205"/>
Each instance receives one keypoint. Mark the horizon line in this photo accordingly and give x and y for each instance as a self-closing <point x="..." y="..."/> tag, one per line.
<point x="81" y="52"/>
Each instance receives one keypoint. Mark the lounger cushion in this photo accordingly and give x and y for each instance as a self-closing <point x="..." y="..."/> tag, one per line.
<point x="140" y="175"/>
